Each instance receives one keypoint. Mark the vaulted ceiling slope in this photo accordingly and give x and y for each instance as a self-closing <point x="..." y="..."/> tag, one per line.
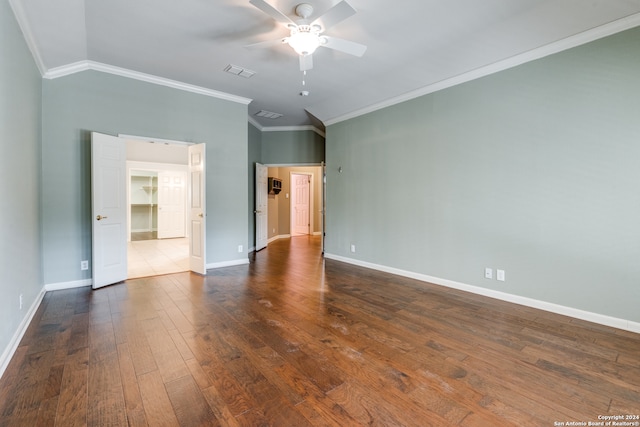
<point x="414" y="47"/>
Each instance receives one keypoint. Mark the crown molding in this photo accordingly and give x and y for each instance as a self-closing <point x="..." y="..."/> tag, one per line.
<point x="77" y="67"/>
<point x="261" y="128"/>
<point x="255" y="124"/>
<point x="588" y="36"/>
<point x="576" y="40"/>
<point x="66" y="70"/>
<point x="23" y="23"/>
<point x="293" y="128"/>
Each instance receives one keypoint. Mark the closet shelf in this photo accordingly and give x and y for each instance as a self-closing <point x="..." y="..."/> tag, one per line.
<point x="144" y="201"/>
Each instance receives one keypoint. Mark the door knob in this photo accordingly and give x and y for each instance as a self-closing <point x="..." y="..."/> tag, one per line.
<point x="99" y="217"/>
<point x="201" y="215"/>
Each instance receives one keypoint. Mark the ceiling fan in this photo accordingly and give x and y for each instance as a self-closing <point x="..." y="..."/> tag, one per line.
<point x="305" y="36"/>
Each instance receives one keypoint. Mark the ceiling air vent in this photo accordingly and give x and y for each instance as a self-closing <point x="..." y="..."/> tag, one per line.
<point x="268" y="114"/>
<point x="239" y="71"/>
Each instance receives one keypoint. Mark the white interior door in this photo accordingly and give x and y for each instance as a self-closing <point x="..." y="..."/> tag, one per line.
<point x="197" y="204"/>
<point x="171" y="204"/>
<point x="300" y="204"/>
<point x="261" y="190"/>
<point x="109" y="209"/>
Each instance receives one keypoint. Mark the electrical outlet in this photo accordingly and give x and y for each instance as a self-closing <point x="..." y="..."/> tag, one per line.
<point x="20" y="301"/>
<point x="500" y="275"/>
<point x="488" y="273"/>
<point x="353" y="248"/>
<point x="84" y="265"/>
<point x="240" y="248"/>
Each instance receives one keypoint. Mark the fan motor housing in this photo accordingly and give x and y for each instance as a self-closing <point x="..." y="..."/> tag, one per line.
<point x="304" y="10"/>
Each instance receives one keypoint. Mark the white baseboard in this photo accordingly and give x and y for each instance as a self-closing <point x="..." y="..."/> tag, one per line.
<point x="288" y="236"/>
<point x="22" y="328"/>
<point x="67" y="285"/>
<point x="271" y="240"/>
<point x="227" y="263"/>
<point x="601" y="319"/>
<point x="278" y="237"/>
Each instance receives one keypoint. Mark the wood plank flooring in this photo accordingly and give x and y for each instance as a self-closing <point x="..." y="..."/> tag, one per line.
<point x="296" y="340"/>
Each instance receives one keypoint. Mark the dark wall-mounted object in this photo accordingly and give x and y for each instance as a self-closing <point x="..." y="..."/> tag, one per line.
<point x="275" y="185"/>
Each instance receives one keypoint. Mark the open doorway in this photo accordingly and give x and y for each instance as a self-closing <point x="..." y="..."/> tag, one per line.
<point x="109" y="205"/>
<point x="158" y="240"/>
<point x="281" y="213"/>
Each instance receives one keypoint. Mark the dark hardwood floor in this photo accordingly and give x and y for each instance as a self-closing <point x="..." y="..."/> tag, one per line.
<point x="296" y="340"/>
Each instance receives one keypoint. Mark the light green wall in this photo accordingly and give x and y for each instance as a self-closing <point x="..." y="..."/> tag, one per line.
<point x="20" y="237"/>
<point x="534" y="170"/>
<point x="292" y="147"/>
<point x="75" y="105"/>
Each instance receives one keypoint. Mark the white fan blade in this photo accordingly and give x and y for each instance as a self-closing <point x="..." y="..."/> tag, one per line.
<point x="346" y="46"/>
<point x="271" y="11"/>
<point x="268" y="43"/>
<point x="337" y="13"/>
<point x="306" y="62"/>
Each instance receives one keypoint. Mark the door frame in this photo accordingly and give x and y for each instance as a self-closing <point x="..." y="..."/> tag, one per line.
<point x="292" y="199"/>
<point x="323" y="202"/>
<point x="321" y="172"/>
<point x="189" y="236"/>
<point x="261" y="220"/>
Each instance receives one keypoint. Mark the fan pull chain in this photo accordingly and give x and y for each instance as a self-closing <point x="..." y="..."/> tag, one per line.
<point x="304" y="83"/>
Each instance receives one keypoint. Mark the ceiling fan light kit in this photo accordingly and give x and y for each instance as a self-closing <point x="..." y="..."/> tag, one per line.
<point x="305" y="40"/>
<point x="304" y="37"/>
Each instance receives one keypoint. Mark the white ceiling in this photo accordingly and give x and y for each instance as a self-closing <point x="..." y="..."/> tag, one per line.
<point x="414" y="46"/>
